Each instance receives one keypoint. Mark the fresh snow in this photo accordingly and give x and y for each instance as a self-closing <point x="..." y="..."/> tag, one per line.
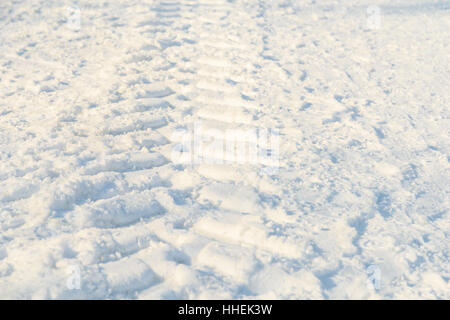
<point x="260" y="149"/>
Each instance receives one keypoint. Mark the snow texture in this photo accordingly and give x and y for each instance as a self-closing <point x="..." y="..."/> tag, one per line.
<point x="260" y="149"/>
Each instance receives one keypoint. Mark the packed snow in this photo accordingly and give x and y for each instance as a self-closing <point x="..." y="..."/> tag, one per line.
<point x="214" y="149"/>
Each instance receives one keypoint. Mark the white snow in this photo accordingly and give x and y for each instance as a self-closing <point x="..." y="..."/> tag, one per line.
<point x="185" y="149"/>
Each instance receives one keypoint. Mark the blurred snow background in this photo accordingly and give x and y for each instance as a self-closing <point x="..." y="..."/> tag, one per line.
<point x="121" y="174"/>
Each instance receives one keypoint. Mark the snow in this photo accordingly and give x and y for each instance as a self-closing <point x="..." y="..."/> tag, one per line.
<point x="224" y="149"/>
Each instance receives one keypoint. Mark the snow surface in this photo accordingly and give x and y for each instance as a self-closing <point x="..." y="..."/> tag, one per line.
<point x="108" y="191"/>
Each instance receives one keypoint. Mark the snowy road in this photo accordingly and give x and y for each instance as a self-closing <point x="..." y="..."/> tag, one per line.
<point x="224" y="149"/>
